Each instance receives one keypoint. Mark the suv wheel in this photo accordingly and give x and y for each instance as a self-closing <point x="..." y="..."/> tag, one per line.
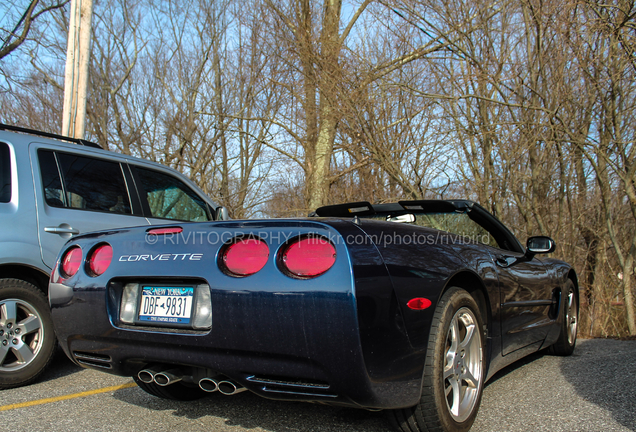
<point x="27" y="339"/>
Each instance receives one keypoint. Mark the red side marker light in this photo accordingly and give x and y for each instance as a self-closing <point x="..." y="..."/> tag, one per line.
<point x="419" y="303"/>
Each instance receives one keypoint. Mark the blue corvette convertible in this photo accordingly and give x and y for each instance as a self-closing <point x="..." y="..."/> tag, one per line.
<point x="409" y="307"/>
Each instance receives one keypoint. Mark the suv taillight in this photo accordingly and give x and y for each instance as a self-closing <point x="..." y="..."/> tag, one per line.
<point x="99" y="259"/>
<point x="307" y="257"/>
<point x="244" y="257"/>
<point x="71" y="262"/>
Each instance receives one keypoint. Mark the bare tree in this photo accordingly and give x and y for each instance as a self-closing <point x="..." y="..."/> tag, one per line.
<point x="320" y="54"/>
<point x="18" y="31"/>
<point x="604" y="51"/>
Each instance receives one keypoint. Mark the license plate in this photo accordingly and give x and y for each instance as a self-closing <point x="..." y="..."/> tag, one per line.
<point x="166" y="305"/>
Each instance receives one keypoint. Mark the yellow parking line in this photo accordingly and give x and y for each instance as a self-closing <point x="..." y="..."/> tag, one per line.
<point x="66" y="397"/>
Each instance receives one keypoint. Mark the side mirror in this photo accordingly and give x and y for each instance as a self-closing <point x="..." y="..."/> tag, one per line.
<point x="540" y="245"/>
<point x="222" y="214"/>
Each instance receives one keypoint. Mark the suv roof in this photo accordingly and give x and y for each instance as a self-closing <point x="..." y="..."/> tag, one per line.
<point x="49" y="135"/>
<point x="71" y="144"/>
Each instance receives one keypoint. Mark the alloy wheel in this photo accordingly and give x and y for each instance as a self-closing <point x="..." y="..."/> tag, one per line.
<point x="463" y="367"/>
<point x="21" y="334"/>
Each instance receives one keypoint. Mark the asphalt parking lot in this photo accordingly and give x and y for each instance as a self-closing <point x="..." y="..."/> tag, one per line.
<point x="594" y="390"/>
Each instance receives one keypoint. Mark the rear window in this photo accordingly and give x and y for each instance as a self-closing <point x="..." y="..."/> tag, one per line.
<point x="5" y="173"/>
<point x="83" y="183"/>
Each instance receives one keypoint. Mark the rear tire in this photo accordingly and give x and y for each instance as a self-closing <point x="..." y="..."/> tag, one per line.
<point x="564" y="346"/>
<point x="454" y="371"/>
<point x="27" y="338"/>
<point x="177" y="391"/>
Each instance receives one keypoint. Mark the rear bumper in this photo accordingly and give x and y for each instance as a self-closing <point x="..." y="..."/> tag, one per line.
<point x="312" y="354"/>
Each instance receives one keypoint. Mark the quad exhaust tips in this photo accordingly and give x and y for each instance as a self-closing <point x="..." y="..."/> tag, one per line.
<point x="164" y="378"/>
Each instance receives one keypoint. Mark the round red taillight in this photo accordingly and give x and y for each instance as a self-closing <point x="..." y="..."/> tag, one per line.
<point x="99" y="260"/>
<point x="71" y="261"/>
<point x="308" y="257"/>
<point x="245" y="257"/>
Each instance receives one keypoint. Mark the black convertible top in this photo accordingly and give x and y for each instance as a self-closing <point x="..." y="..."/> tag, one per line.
<point x="365" y="208"/>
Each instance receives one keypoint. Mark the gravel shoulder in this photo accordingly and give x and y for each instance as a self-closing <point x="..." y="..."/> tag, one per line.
<point x="593" y="390"/>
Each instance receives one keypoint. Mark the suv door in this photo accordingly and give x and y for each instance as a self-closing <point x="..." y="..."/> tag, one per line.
<point x="78" y="193"/>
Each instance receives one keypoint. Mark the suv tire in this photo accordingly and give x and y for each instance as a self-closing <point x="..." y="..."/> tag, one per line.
<point x="27" y="339"/>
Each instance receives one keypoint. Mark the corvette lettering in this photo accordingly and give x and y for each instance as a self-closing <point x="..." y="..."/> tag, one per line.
<point x="162" y="257"/>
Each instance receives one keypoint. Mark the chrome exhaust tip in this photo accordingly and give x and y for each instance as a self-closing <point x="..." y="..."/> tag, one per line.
<point x="229" y="388"/>
<point x="208" y="384"/>
<point x="168" y="377"/>
<point x="147" y="375"/>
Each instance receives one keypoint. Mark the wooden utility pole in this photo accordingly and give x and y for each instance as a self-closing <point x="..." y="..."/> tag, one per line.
<point x="77" y="59"/>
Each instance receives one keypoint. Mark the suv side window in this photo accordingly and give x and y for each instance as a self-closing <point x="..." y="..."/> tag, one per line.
<point x="51" y="182"/>
<point x="5" y="173"/>
<point x="86" y="183"/>
<point x="169" y="198"/>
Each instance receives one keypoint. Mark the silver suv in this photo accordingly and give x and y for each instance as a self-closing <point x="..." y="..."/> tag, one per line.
<point x="51" y="188"/>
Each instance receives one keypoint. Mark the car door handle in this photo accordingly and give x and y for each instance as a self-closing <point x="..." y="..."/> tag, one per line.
<point x="61" y="230"/>
<point x="505" y="261"/>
